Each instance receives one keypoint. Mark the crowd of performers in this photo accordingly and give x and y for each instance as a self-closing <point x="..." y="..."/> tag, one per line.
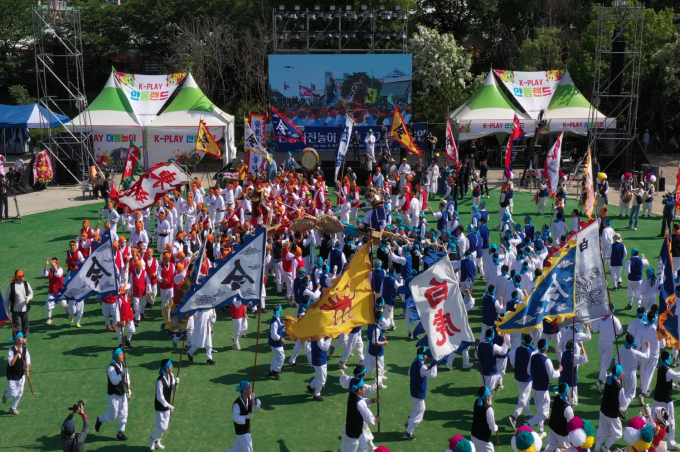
<point x="303" y="263"/>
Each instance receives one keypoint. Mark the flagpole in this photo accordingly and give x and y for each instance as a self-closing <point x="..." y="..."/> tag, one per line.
<point x="14" y="332"/>
<point x="498" y="439"/>
<point x="375" y="340"/>
<point x="616" y="339"/>
<point x="573" y="355"/>
<point x="179" y="367"/>
<point x="259" y="317"/>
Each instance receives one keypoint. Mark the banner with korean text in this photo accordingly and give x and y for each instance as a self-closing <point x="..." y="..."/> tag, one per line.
<point x="176" y="143"/>
<point x="111" y="144"/>
<point x="532" y="90"/>
<point x="148" y="93"/>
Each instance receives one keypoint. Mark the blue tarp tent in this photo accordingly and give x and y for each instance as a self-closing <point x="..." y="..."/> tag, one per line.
<point x="31" y="116"/>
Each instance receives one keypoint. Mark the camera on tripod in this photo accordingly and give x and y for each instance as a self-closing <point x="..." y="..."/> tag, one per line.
<point x="77" y="406"/>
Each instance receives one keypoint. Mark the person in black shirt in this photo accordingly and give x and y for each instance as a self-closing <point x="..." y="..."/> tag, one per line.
<point x="614" y="403"/>
<point x="70" y="442"/>
<point x="467" y="172"/>
<point x="675" y="246"/>
<point x="166" y="383"/>
<point x="4" y="193"/>
<point x="663" y="393"/>
<point x="483" y="174"/>
<point x="355" y="142"/>
<point x="242" y="413"/>
<point x="483" y="421"/>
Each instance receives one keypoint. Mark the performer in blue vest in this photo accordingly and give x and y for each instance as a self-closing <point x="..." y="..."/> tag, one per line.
<point x="315" y="274"/>
<point x="297" y="286"/>
<point x="486" y="354"/>
<point x="376" y="350"/>
<point x="468" y="270"/>
<point x="561" y="414"/>
<point x="484" y="234"/>
<point x="390" y="285"/>
<point x="377" y="276"/>
<point x="619" y="254"/>
<point x="491" y="309"/>
<point x="319" y="363"/>
<point x="336" y="259"/>
<point x="442" y="217"/>
<point x="529" y="230"/>
<point x="541" y="370"/>
<point x="524" y="381"/>
<point x="354" y="342"/>
<point x="419" y="373"/>
<point x="570" y="362"/>
<point x="634" y="269"/>
<point x="276" y="342"/>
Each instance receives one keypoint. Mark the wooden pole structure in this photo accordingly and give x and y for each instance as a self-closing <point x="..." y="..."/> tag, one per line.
<point x="375" y="339"/>
<point x="179" y="367"/>
<point x="259" y="318"/>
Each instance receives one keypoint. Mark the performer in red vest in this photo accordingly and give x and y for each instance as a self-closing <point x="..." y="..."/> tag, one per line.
<point x="124" y="316"/>
<point x="55" y="283"/>
<point x="140" y="286"/>
<point x="166" y="272"/>
<point x="73" y="258"/>
<point x="240" y="322"/>
<point x="152" y="272"/>
<point x="108" y="310"/>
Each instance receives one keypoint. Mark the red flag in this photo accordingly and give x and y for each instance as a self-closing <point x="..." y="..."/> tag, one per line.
<point x="304" y="91"/>
<point x="677" y="190"/>
<point x="516" y="134"/>
<point x="131" y="160"/>
<point x="451" y="149"/>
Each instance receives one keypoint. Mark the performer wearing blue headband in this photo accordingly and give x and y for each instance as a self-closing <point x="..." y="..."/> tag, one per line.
<point x="483" y="421"/>
<point x="242" y="413"/>
<point x="634" y="269"/>
<point x="615" y="401"/>
<point x="118" y="394"/>
<point x="608" y="327"/>
<point x="18" y="368"/>
<point x="357" y="434"/>
<point x="524" y="381"/>
<point x="560" y="416"/>
<point x="648" y="366"/>
<point x="663" y="393"/>
<point x="541" y="370"/>
<point x="418" y="373"/>
<point x="276" y="342"/>
<point x="491" y="308"/>
<point x="165" y="384"/>
<point x="618" y="255"/>
<point x="630" y="358"/>
<point x="570" y="361"/>
<point x="320" y="364"/>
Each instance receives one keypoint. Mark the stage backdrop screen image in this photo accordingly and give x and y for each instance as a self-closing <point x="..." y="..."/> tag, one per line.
<point x="317" y="91"/>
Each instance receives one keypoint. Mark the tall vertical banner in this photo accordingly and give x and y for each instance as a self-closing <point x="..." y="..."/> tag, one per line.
<point x="258" y="123"/>
<point x="592" y="298"/>
<point x="532" y="90"/>
<point x="131" y="161"/>
<point x="590" y="187"/>
<point x="205" y="141"/>
<point x="148" y="93"/>
<point x="516" y="134"/>
<point x="552" y="164"/>
<point x="441" y="308"/>
<point x="668" y="319"/>
<point x="451" y="149"/>
<point x="344" y="144"/>
<point x="257" y="154"/>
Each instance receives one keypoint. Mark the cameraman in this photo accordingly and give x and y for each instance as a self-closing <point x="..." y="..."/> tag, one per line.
<point x="69" y="440"/>
<point x="4" y="193"/>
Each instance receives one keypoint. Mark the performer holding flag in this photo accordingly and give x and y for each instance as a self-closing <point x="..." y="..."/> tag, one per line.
<point x="516" y="134"/>
<point x="242" y="413"/>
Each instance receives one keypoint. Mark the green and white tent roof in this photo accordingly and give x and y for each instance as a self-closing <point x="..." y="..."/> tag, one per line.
<point x="189" y="106"/>
<point x="110" y="108"/>
<point x="488" y="103"/>
<point x="569" y="110"/>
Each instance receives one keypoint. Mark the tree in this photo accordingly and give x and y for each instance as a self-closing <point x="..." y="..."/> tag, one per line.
<point x="448" y="16"/>
<point x="542" y="53"/>
<point x="16" y="58"/>
<point x="20" y="96"/>
<point x="441" y="71"/>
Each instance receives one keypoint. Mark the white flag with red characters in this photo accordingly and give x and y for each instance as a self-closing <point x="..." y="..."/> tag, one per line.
<point x="151" y="186"/>
<point x="441" y="308"/>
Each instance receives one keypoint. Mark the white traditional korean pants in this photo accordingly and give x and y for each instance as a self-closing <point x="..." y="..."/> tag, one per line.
<point x="118" y="409"/>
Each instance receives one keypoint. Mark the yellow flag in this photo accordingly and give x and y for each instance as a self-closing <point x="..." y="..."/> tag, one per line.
<point x="400" y="134"/>
<point x="372" y="95"/>
<point x="205" y="142"/>
<point x="590" y="185"/>
<point x="348" y="303"/>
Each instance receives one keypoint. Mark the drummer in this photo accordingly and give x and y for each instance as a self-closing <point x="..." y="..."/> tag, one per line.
<point x="626" y="194"/>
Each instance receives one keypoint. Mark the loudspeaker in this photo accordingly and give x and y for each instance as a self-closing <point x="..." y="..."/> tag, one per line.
<point x="62" y="176"/>
<point x="618" y="49"/>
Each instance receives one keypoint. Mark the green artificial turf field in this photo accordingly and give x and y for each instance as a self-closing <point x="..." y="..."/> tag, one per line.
<point x="69" y="365"/>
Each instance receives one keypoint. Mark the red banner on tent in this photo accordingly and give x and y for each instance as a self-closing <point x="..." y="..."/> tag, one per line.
<point x="516" y="134"/>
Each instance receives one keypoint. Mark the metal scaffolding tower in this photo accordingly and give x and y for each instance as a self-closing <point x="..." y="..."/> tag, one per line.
<point x="618" y="55"/>
<point x="61" y="86"/>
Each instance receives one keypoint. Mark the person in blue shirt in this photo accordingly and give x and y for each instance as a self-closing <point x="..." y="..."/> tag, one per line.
<point x="375" y="359"/>
<point x="485" y="235"/>
<point x="487" y="351"/>
<point x="618" y="255"/>
<point x="524" y="381"/>
<point x="418" y="373"/>
<point x="276" y="342"/>
<point x="668" y="203"/>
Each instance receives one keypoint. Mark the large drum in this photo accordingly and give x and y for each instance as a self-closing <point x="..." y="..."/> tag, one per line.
<point x="309" y="158"/>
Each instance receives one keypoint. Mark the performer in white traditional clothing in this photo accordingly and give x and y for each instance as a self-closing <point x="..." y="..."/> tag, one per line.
<point x="609" y="328"/>
<point x="118" y="394"/>
<point x="166" y="383"/>
<point x="418" y="373"/>
<point x="202" y="337"/>
<point x="55" y="275"/>
<point x="242" y="413"/>
<point x="358" y="415"/>
<point x="18" y="370"/>
<point x="276" y="342"/>
<point x="614" y="402"/>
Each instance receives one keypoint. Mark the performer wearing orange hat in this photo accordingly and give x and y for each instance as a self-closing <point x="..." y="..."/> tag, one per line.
<point x="55" y="276"/>
<point x="166" y="272"/>
<point x="73" y="258"/>
<point x="124" y="316"/>
<point x="112" y="215"/>
<point x="18" y="302"/>
<point x="163" y="230"/>
<point x="85" y="245"/>
<point x="86" y="229"/>
<point x="139" y="234"/>
<point x="140" y="285"/>
<point x="152" y="271"/>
